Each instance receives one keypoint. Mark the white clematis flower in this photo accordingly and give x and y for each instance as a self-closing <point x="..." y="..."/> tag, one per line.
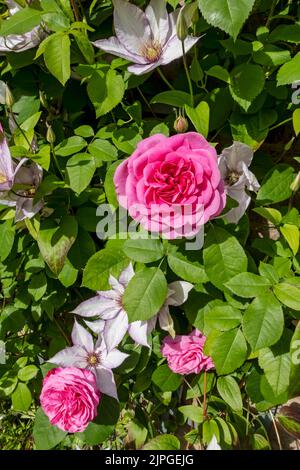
<point x="148" y="39"/>
<point x="213" y="445"/>
<point x="234" y="165"/>
<point x="85" y="355"/>
<point x="20" y="42"/>
<point x="112" y="318"/>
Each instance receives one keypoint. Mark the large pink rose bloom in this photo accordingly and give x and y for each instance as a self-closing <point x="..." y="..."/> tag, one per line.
<point x="185" y="353"/>
<point x="70" y="398"/>
<point x="171" y="185"/>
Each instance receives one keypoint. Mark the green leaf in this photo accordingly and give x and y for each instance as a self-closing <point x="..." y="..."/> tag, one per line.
<point x="292" y="426"/>
<point x="55" y="241"/>
<point x="288" y="292"/>
<point x="37" y="286"/>
<point x="165" y="379"/>
<point x="227" y="15"/>
<point x="289" y="72"/>
<point x="288" y="33"/>
<point x="173" y="98"/>
<point x="192" y="412"/>
<point x="84" y="131"/>
<point x="68" y="274"/>
<point x="248" y="285"/>
<point x="7" y="236"/>
<point x="263" y="322"/>
<point x="223" y="257"/>
<point x="276" y="368"/>
<point x="230" y="392"/>
<point x="101" y="265"/>
<point x="219" y="72"/>
<point x="105" y="91"/>
<point x="276" y="185"/>
<point x="80" y="170"/>
<point x="57" y="57"/>
<point x="163" y="442"/>
<point x="103" y="151"/>
<point x="199" y="117"/>
<point x="228" y="350"/>
<point x="294" y="386"/>
<point x="270" y="214"/>
<point x="246" y="83"/>
<point x="191" y="271"/>
<point x="223" y="317"/>
<point x="296" y="121"/>
<point x="70" y="146"/>
<point x="144" y="251"/>
<point x="21" y="397"/>
<point x="45" y="435"/>
<point x="145" y="294"/>
<point x="291" y="234"/>
<point x="21" y="22"/>
<point x="27" y="373"/>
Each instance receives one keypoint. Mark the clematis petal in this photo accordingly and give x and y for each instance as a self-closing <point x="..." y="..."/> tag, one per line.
<point x="173" y="49"/>
<point x="91" y="307"/>
<point x="25" y="208"/>
<point x="166" y="321"/>
<point x="213" y="445"/>
<point x="106" y="382"/>
<point x="137" y="69"/>
<point x="82" y="337"/>
<point x="131" y="26"/>
<point x="180" y="291"/>
<point x="115" y="330"/>
<point x="97" y="326"/>
<point x="72" y="356"/>
<point x="127" y="275"/>
<point x="236" y="213"/>
<point x="251" y="180"/>
<point x="157" y="15"/>
<point x="233" y="156"/>
<point x="138" y="331"/>
<point x="114" y="359"/>
<point x="6" y="164"/>
<point x="116" y="285"/>
<point x="113" y="46"/>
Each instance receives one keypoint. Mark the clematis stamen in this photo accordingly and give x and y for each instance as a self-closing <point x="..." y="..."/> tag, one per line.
<point x="93" y="359"/>
<point x="232" y="178"/>
<point x="151" y="51"/>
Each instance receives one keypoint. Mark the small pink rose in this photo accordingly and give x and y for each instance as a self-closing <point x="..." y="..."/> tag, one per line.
<point x="185" y="354"/>
<point x="70" y="398"/>
<point x="171" y="185"/>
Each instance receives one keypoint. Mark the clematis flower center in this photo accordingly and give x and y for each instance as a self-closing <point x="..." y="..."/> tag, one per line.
<point x="232" y="178"/>
<point x="93" y="359"/>
<point x="151" y="51"/>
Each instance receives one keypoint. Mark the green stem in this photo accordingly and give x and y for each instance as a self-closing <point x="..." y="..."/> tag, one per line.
<point x="20" y="128"/>
<point x="146" y="102"/>
<point x="187" y="73"/>
<point x="56" y="161"/>
<point x="271" y="13"/>
<point x="165" y="79"/>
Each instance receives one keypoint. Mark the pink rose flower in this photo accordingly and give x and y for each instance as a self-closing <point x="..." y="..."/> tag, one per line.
<point x="185" y="355"/>
<point x="70" y="398"/>
<point x="171" y="185"/>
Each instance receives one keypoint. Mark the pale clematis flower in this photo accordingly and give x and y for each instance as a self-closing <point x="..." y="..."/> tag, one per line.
<point x="17" y="174"/>
<point x="213" y="445"/>
<point x="96" y="358"/>
<point x="112" y="318"/>
<point x="234" y="165"/>
<point x="148" y="39"/>
<point x="20" y="42"/>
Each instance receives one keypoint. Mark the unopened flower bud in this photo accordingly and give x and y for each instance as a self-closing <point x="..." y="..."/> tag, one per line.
<point x="9" y="99"/>
<point x="43" y="100"/>
<point x="295" y="186"/>
<point x="181" y="125"/>
<point x="181" y="26"/>
<point x="51" y="137"/>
